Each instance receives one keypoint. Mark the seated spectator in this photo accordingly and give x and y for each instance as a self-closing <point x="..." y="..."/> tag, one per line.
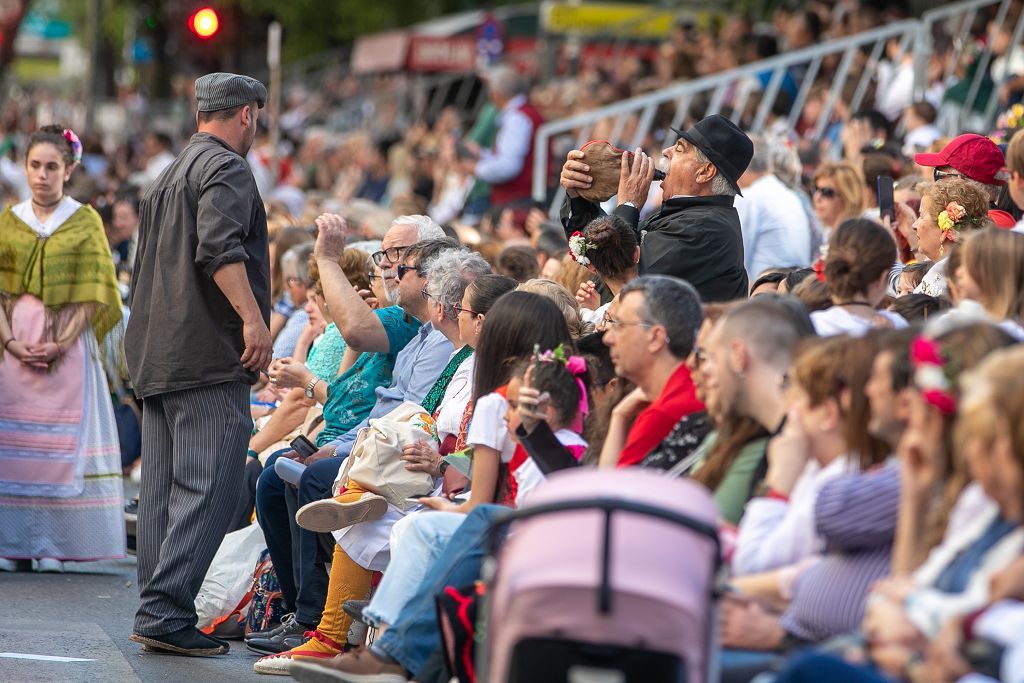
<point x="519" y="262"/>
<point x="731" y="459"/>
<point x="768" y="282"/>
<point x="991" y="274"/>
<point x="911" y="277"/>
<point x="363" y="520"/>
<point x="824" y="437"/>
<point x="905" y="613"/>
<point x="938" y="230"/>
<point x="650" y="337"/>
<point x="856" y="270"/>
<point x="813" y="294"/>
<point x="429" y="536"/>
<point x="919" y="308"/>
<point x="838" y="195"/>
<point x="284" y="307"/>
<point x="565" y="301"/>
<point x="606" y="247"/>
<point x="420" y="354"/>
<point x="295" y="269"/>
<point x="854" y="513"/>
<point x="776" y="229"/>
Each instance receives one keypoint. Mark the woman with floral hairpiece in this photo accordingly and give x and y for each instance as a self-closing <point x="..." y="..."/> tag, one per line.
<point x="950" y="209"/>
<point x="607" y="247"/>
<point x="60" y="472"/>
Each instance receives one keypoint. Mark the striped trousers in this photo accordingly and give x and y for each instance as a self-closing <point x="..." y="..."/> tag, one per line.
<point x="193" y="457"/>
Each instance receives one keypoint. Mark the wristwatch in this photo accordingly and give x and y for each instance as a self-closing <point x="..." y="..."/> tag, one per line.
<point x="310" y="386"/>
<point x="629" y="204"/>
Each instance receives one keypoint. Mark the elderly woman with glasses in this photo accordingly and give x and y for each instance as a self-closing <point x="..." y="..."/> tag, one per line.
<point x="838" y="195"/>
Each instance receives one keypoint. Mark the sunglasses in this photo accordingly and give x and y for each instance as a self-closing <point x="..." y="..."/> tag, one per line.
<point x="402" y="270"/>
<point x="938" y="175"/>
<point x="826" y="192"/>
<point x="393" y="254"/>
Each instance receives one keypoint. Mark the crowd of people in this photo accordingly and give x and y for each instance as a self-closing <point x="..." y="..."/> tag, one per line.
<point x="374" y="347"/>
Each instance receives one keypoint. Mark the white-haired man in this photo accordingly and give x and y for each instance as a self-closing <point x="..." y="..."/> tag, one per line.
<point x="696" y="235"/>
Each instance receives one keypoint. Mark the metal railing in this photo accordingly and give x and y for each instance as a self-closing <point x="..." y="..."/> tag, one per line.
<point x="956" y="22"/>
<point x="729" y="93"/>
<point x="851" y="64"/>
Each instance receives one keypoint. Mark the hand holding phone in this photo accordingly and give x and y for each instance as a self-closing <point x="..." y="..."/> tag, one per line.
<point x="886" y="204"/>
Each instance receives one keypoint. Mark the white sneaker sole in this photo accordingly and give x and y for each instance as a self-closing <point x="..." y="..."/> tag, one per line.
<point x="324" y="516"/>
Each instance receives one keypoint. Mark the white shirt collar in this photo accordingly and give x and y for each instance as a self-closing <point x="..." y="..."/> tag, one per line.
<point x="60" y="215"/>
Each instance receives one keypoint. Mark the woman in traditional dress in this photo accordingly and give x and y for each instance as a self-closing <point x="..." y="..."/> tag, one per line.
<point x="60" y="469"/>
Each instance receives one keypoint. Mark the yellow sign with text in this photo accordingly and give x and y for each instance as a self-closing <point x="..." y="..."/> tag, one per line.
<point x="634" y="21"/>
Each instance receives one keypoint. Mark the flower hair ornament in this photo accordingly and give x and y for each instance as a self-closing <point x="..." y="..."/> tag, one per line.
<point x="76" y="145"/>
<point x="578" y="248"/>
<point x="950" y="217"/>
<point x="932" y="374"/>
<point x="819" y="270"/>
<point x="577" y="367"/>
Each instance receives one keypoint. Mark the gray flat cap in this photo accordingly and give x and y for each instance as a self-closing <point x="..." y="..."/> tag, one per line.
<point x="223" y="91"/>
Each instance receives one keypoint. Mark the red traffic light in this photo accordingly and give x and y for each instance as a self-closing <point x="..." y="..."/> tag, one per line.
<point x="204" y="22"/>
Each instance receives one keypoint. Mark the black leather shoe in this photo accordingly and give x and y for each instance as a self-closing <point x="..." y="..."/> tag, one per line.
<point x="354" y="608"/>
<point x="185" y="641"/>
<point x="279" y="642"/>
<point x="271" y="632"/>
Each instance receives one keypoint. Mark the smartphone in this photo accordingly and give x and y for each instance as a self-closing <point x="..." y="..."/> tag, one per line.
<point x="303" y="446"/>
<point x="886" y="204"/>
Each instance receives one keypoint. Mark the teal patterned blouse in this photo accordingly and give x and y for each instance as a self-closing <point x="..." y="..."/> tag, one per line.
<point x="352" y="395"/>
<point x="324" y="359"/>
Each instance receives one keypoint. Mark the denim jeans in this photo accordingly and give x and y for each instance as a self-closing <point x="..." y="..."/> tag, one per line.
<point x="812" y="666"/>
<point x="415" y="635"/>
<point x="297" y="553"/>
<point x="416" y="541"/>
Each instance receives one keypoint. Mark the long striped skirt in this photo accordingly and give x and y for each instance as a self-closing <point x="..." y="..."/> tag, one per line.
<point x="61" y="493"/>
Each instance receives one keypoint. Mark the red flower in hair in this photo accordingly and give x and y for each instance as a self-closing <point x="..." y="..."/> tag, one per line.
<point x="819" y="270"/>
<point x="925" y="351"/>
<point x="943" y="400"/>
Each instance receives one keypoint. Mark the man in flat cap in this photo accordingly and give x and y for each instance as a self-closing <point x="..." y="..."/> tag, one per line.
<point x="696" y="234"/>
<point x="196" y="341"/>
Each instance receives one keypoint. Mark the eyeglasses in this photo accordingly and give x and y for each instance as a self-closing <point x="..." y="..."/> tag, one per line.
<point x="373" y="276"/>
<point x="611" y="324"/>
<point x="826" y="192"/>
<point x="426" y="295"/>
<point x="393" y="254"/>
<point x="402" y="270"/>
<point x="938" y="175"/>
<point x="459" y="309"/>
<point x="292" y="281"/>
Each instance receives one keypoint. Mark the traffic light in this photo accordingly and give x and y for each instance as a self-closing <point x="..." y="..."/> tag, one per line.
<point x="204" y="23"/>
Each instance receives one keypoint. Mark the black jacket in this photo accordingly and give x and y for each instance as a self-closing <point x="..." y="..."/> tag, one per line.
<point x="697" y="239"/>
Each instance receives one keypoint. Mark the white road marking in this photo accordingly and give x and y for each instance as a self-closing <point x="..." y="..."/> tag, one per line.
<point x="41" y="658"/>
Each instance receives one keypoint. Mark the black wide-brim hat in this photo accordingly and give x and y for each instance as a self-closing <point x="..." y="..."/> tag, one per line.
<point x="723" y="143"/>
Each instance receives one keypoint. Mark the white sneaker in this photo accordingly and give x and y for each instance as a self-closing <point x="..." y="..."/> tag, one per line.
<point x="49" y="564"/>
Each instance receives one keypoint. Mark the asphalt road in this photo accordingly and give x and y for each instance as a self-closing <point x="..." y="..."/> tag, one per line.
<point x="86" y="613"/>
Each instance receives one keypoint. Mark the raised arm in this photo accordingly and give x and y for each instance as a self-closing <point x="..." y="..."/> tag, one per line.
<point x="361" y="329"/>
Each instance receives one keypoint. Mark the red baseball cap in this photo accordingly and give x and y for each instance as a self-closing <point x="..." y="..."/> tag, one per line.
<point x="974" y="155"/>
<point x="1002" y="219"/>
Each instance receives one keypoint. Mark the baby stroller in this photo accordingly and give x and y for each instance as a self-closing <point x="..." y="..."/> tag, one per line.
<point x="606" y="577"/>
